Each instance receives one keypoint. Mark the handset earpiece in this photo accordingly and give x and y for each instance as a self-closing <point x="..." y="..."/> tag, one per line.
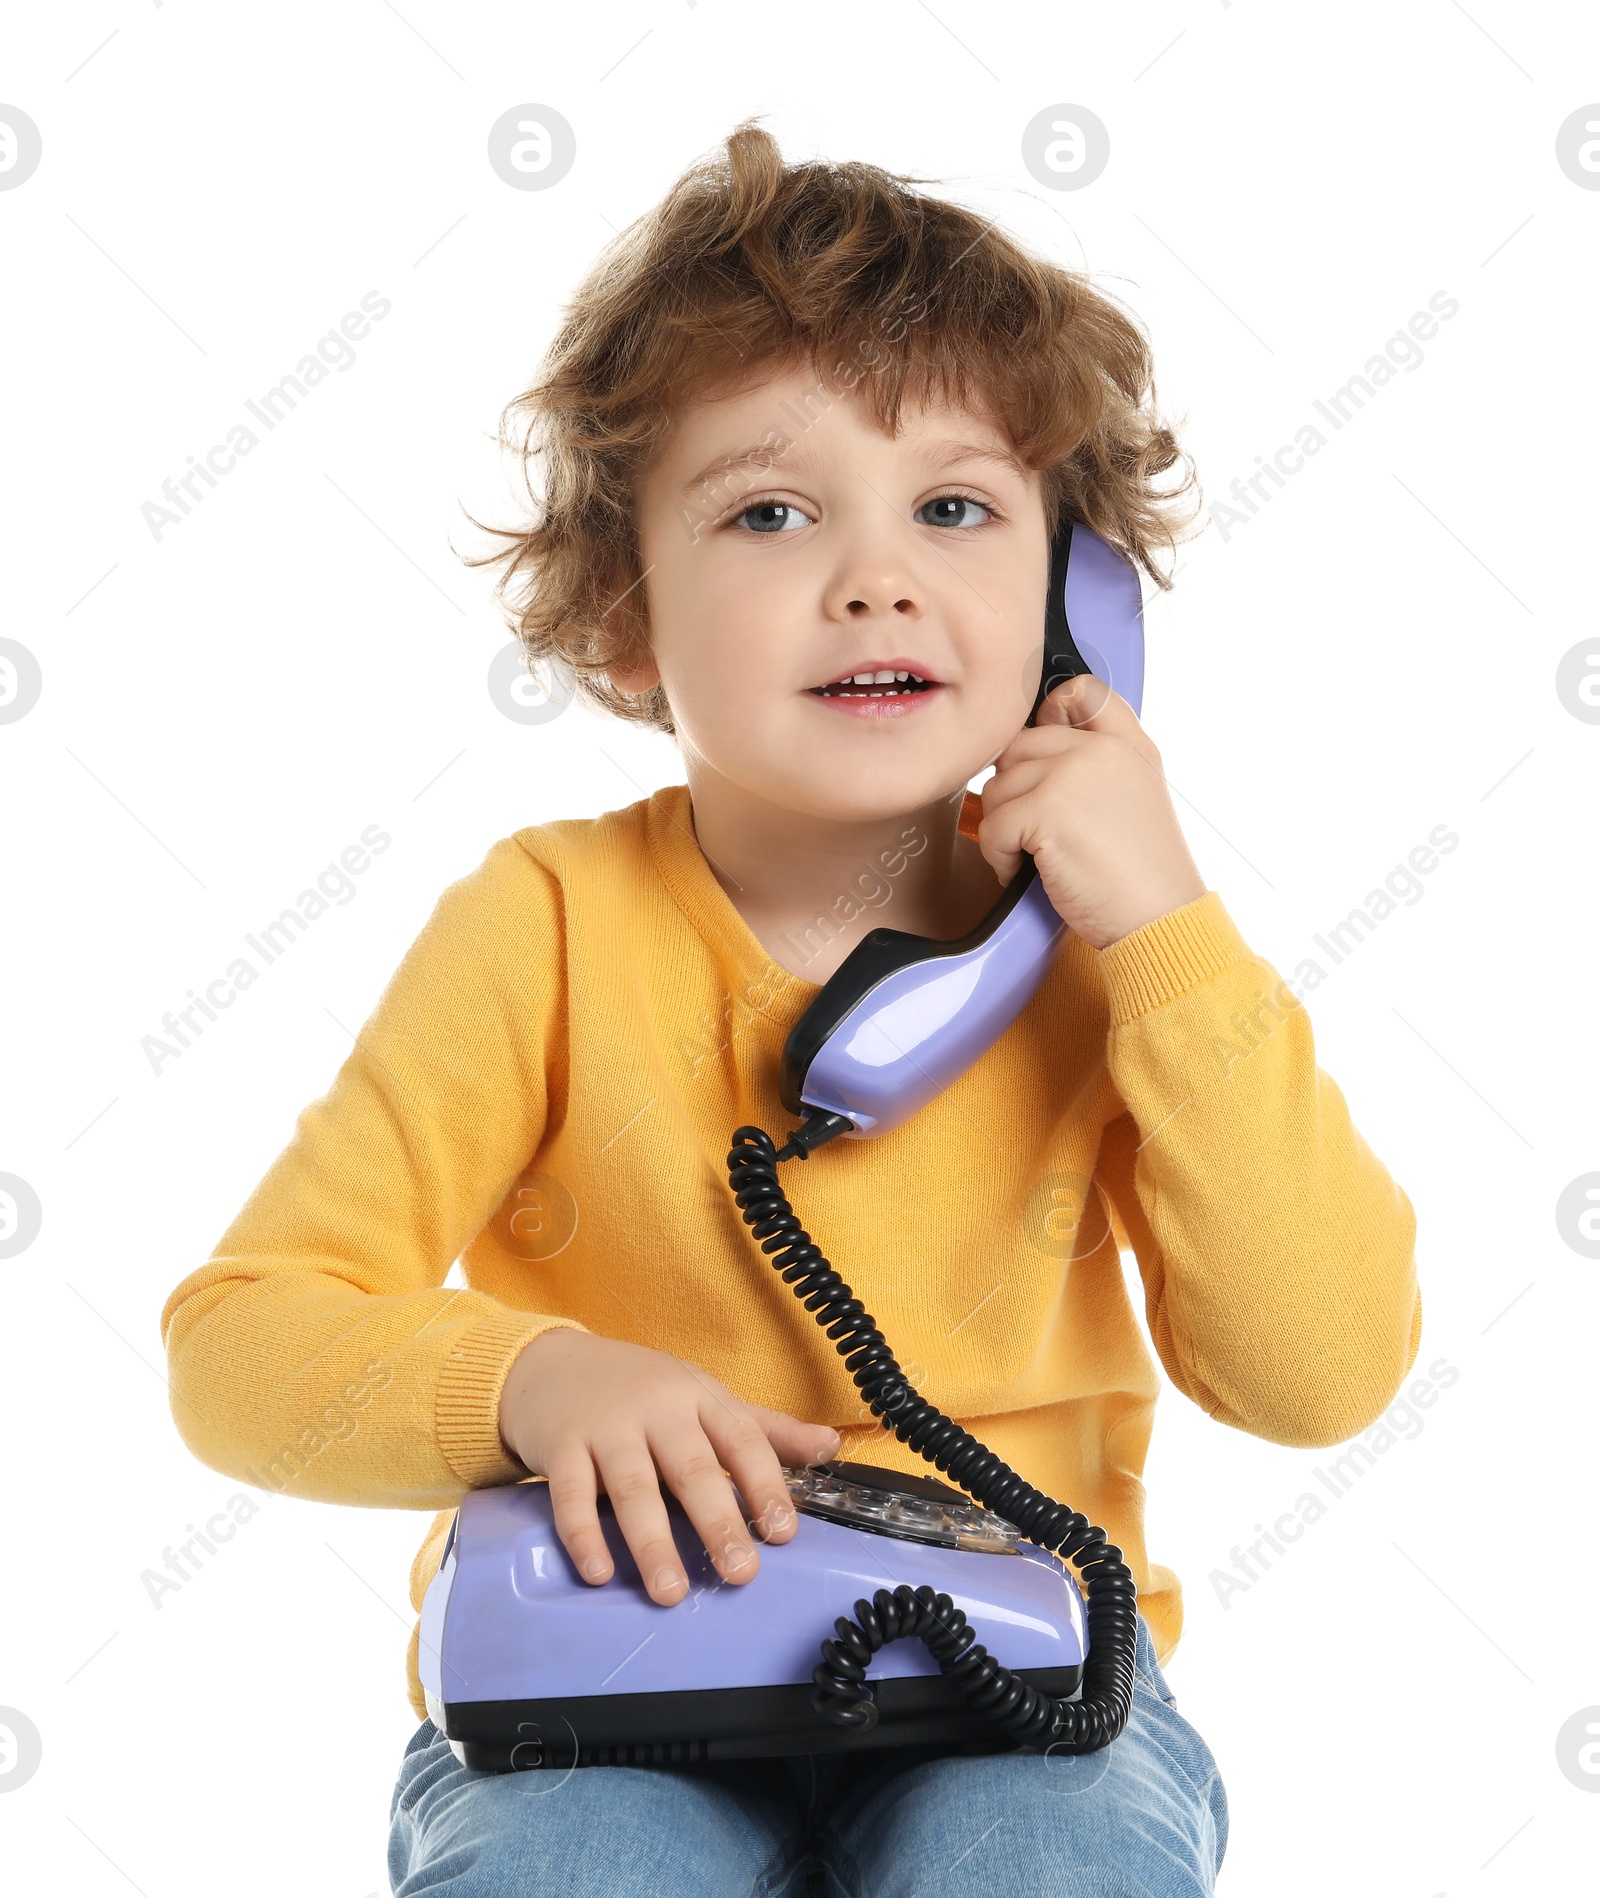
<point x="1093" y="617"/>
<point x="903" y="1015"/>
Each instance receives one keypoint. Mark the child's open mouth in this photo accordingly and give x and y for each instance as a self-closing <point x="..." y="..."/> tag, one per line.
<point x="878" y="692"/>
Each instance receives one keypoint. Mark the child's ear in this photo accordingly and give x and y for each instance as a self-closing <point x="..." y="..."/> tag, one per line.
<point x="637" y="676"/>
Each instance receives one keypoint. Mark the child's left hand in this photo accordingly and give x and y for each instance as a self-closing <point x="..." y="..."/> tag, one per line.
<point x="1083" y="792"/>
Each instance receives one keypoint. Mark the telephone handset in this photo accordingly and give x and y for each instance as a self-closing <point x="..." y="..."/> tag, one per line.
<point x="903" y="1015"/>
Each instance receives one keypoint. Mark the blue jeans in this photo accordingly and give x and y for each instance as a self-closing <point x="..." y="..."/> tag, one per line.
<point x="1145" y="1817"/>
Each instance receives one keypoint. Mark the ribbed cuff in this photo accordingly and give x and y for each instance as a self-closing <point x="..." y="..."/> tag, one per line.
<point x="468" y="1406"/>
<point x="1157" y="963"/>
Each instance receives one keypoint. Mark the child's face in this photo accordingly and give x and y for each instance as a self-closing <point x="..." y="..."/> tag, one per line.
<point x="835" y="550"/>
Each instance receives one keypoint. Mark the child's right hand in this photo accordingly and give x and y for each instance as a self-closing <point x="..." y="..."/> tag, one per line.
<point x="594" y="1413"/>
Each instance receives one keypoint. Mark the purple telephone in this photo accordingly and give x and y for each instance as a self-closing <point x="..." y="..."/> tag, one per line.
<point x="523" y="1665"/>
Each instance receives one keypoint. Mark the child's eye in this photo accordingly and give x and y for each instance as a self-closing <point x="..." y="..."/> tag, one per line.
<point x="945" y="510"/>
<point x="952" y="510"/>
<point x="771" y="517"/>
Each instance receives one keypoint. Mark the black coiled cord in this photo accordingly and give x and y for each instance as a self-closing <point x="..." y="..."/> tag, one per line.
<point x="842" y="1694"/>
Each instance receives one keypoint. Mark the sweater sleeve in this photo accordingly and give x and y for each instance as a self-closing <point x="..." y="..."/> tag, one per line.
<point x="317" y="1352"/>
<point x="1275" y="1250"/>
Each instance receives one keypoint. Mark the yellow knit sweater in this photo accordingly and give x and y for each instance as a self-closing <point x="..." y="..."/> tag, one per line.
<point x="547" y="1088"/>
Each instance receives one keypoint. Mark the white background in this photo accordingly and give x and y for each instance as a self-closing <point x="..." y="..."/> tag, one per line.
<point x="226" y="709"/>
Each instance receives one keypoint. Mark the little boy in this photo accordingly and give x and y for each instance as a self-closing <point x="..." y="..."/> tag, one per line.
<point x="806" y="435"/>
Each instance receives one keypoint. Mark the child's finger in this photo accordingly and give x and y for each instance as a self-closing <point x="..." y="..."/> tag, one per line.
<point x="629" y="1474"/>
<point x="1089" y="704"/>
<point x="692" y="1466"/>
<point x="796" y="1443"/>
<point x="741" y="1437"/>
<point x="571" y="1481"/>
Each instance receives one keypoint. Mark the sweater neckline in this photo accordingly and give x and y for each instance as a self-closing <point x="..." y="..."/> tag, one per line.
<point x="765" y="985"/>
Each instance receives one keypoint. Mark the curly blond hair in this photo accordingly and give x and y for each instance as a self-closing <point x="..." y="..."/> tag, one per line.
<point x="749" y="263"/>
